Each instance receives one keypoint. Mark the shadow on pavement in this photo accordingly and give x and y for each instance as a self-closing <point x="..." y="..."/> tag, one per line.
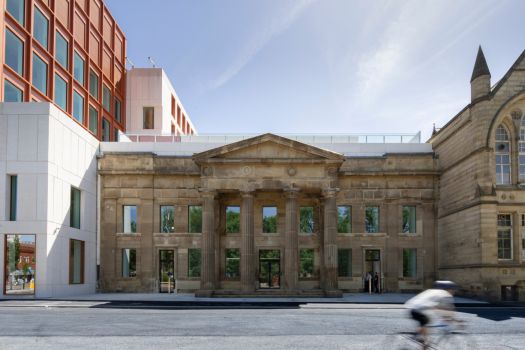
<point x="494" y="312"/>
<point x="195" y="305"/>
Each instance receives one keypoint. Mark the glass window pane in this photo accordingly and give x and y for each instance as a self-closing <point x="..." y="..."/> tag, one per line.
<point x="39" y="74"/>
<point x="118" y="110"/>
<point x="344" y="266"/>
<point x="194" y="219"/>
<point x="129" y="262"/>
<point x="13" y="196"/>
<point x="60" y="92"/>
<point x="78" y="68"/>
<point x="306" y="263"/>
<point x="93" y="120"/>
<point x="76" y="261"/>
<point x="167" y="213"/>
<point x="75" y="208"/>
<point x="130" y="219"/>
<point x="93" y="84"/>
<point x="14" y="52"/>
<point x="40" y="27"/>
<point x="148" y="118"/>
<point x="409" y="263"/>
<point x="269" y="219"/>
<point x="106" y="98"/>
<point x="194" y="262"/>
<point x="78" y="107"/>
<point x="12" y="93"/>
<point x="16" y="9"/>
<point x="306" y="219"/>
<point x="61" y="53"/>
<point x="106" y="130"/>
<point x="372" y="219"/>
<point x="233" y="217"/>
<point x="409" y="219"/>
<point x="20" y="264"/>
<point x="233" y="258"/>
<point x="344" y="219"/>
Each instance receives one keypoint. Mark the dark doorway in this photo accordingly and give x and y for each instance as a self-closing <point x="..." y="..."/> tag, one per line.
<point x="509" y="293"/>
<point x="269" y="269"/>
<point x="166" y="271"/>
<point x="372" y="266"/>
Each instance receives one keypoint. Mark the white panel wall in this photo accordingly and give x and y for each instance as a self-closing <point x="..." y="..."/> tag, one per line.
<point x="50" y="153"/>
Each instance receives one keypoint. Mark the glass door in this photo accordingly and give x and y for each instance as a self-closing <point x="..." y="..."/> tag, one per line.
<point x="269" y="269"/>
<point x="166" y="271"/>
<point x="20" y="264"/>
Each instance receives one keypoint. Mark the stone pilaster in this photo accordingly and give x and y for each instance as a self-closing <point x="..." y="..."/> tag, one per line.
<point x="330" y="240"/>
<point x="208" y="274"/>
<point x="248" y="245"/>
<point x="291" y="258"/>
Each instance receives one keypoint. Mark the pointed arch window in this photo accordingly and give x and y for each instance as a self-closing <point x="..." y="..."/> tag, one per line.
<point x="522" y="150"/>
<point x="502" y="150"/>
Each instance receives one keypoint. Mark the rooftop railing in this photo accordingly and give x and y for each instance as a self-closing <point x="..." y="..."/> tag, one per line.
<point x="305" y="138"/>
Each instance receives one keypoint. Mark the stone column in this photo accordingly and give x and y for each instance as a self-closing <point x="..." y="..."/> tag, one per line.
<point x="291" y="257"/>
<point x="208" y="244"/>
<point x="330" y="240"/>
<point x="248" y="245"/>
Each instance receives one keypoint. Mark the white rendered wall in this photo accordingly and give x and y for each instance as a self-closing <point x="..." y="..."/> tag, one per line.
<point x="50" y="153"/>
<point x="150" y="87"/>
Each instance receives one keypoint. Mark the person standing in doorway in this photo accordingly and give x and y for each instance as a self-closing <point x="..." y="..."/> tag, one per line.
<point x="368" y="282"/>
<point x="376" y="283"/>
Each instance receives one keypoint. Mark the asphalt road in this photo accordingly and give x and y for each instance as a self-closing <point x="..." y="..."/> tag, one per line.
<point x="296" y="328"/>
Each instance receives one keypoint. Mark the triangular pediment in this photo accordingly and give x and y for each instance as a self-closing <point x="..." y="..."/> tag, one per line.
<point x="268" y="146"/>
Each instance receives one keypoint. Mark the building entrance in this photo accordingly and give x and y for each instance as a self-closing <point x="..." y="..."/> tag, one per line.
<point x="166" y="271"/>
<point x="19" y="264"/>
<point x="373" y="266"/>
<point x="269" y="269"/>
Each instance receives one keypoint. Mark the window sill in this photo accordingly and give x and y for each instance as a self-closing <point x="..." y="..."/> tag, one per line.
<point x="128" y="234"/>
<point x="369" y="234"/>
<point x="171" y="234"/>
<point x="402" y="234"/>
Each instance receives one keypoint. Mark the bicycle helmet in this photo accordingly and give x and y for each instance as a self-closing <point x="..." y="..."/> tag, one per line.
<point x="445" y="285"/>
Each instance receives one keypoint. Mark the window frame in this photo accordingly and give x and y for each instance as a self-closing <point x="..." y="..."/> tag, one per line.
<point x="58" y="35"/>
<point x="74" y="211"/>
<point x="132" y="261"/>
<point x="145" y="119"/>
<point x="37" y="9"/>
<point x="161" y="228"/>
<point x="58" y="77"/>
<point x="378" y="229"/>
<point x="16" y="16"/>
<point x="94" y="84"/>
<point x="12" y="197"/>
<point x="82" y="98"/>
<point x="12" y="85"/>
<point x="500" y="153"/>
<point x="340" y="220"/>
<point x="106" y="130"/>
<point x="235" y="261"/>
<point x="77" y="58"/>
<point x="339" y="265"/>
<point x="72" y="261"/>
<point x="199" y="262"/>
<point x="90" y="124"/>
<point x="311" y="225"/>
<point x="500" y="239"/>
<point x="132" y="229"/>
<point x="408" y="260"/>
<point x="227" y="228"/>
<point x="410" y="208"/>
<point x="21" y="61"/>
<point x="189" y="218"/>
<point x="46" y="75"/>
<point x="276" y="216"/>
<point x="306" y="275"/>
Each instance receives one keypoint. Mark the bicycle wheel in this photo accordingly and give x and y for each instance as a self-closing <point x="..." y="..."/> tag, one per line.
<point x="453" y="342"/>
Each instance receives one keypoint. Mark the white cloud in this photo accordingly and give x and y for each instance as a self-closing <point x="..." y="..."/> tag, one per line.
<point x="257" y="43"/>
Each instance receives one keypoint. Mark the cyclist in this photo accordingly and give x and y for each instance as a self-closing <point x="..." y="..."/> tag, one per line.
<point x="438" y="298"/>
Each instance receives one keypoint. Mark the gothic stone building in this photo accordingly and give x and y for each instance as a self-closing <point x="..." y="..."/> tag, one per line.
<point x="270" y="214"/>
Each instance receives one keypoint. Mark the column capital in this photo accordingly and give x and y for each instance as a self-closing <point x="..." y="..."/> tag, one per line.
<point x="330" y="192"/>
<point x="291" y="192"/>
<point x="208" y="192"/>
<point x="247" y="193"/>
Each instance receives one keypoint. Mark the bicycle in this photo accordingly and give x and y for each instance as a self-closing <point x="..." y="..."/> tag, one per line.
<point x="441" y="336"/>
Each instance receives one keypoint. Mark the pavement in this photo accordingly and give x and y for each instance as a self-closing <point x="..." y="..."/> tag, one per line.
<point x="181" y="300"/>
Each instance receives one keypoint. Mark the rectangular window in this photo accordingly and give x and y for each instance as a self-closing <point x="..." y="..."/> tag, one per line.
<point x="306" y="263"/>
<point x="115" y="135"/>
<point x="76" y="261"/>
<point x="409" y="262"/>
<point x="60" y="92"/>
<point x="344" y="219"/>
<point x="14" y="52"/>
<point x="78" y="68"/>
<point x="523" y="237"/>
<point x="409" y="219"/>
<point x="269" y="219"/>
<point x="78" y="107"/>
<point x="167" y="213"/>
<point x="93" y="84"/>
<point x="148" y="116"/>
<point x="194" y="262"/>
<point x="16" y="9"/>
<point x="129" y="262"/>
<point x="75" y="208"/>
<point x="12" y="93"/>
<point x="39" y="74"/>
<point x="106" y="130"/>
<point x="233" y="259"/>
<point x="13" y="196"/>
<point x="106" y="98"/>
<point x="61" y="53"/>
<point x="504" y="236"/>
<point x="233" y="217"/>
<point x="118" y="110"/>
<point x="306" y="220"/>
<point x="194" y="219"/>
<point x="344" y="265"/>
<point x="130" y="219"/>
<point x="19" y="264"/>
<point x="372" y="219"/>
<point x="40" y="27"/>
<point x="93" y="120"/>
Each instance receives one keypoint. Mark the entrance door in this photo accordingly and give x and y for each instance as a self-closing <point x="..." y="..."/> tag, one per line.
<point x="270" y="269"/>
<point x="373" y="266"/>
<point x="19" y="264"/>
<point x="166" y="271"/>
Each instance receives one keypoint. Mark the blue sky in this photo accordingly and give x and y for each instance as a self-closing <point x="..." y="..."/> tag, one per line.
<point x="322" y="66"/>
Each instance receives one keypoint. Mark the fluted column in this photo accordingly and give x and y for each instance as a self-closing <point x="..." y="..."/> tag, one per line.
<point x="208" y="277"/>
<point x="330" y="240"/>
<point x="291" y="258"/>
<point x="248" y="245"/>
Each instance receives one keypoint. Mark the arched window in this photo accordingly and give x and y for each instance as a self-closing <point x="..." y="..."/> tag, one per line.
<point x="502" y="149"/>
<point x="522" y="150"/>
